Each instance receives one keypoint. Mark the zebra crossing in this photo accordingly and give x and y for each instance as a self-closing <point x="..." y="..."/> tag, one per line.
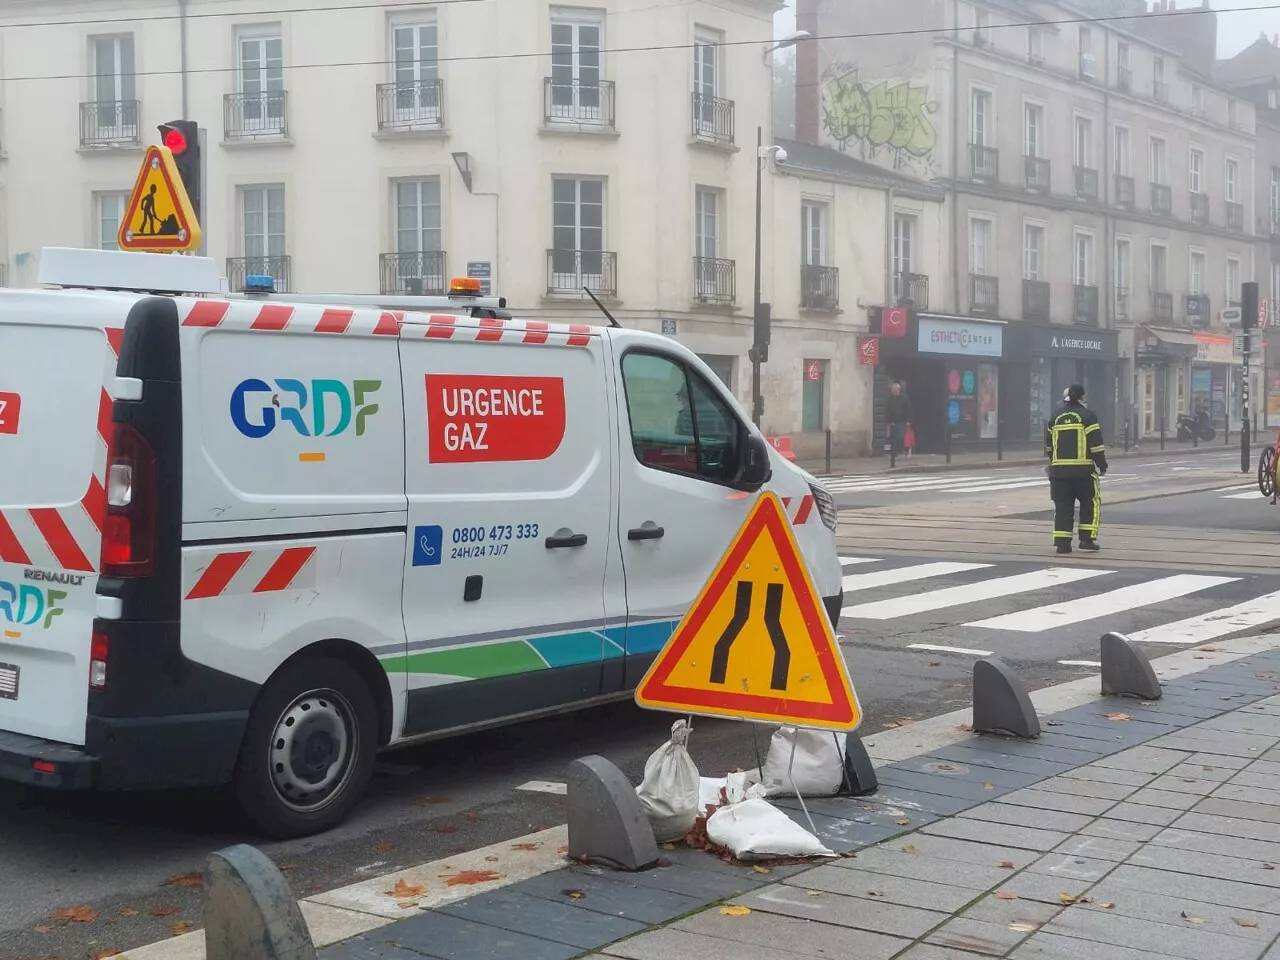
<point x="1241" y="491"/>
<point x="980" y="602"/>
<point x="966" y="483"/>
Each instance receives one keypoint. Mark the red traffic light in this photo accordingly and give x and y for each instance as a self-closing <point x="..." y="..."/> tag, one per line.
<point x="176" y="141"/>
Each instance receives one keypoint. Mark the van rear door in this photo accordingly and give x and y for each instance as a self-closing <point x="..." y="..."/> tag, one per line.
<point x="56" y="360"/>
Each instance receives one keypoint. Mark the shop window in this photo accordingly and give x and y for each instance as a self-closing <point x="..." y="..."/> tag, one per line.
<point x="721" y="365"/>
<point x="973" y="401"/>
<point x="814" y="392"/>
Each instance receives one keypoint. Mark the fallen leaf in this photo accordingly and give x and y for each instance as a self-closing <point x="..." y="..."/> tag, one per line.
<point x="466" y="878"/>
<point x="76" y="914"/>
<point x="128" y="912"/>
<point x="966" y="727"/>
<point x="162" y="911"/>
<point x="1268" y="866"/>
<point x="43" y="928"/>
<point x="562" y="849"/>
<point x="1005" y="864"/>
<point x="888" y="726"/>
<point x="813" y="893"/>
<point x="1210" y="649"/>
<point x="988" y="786"/>
<point x="190" y="881"/>
<point x="934" y="663"/>
<point x="491" y="859"/>
<point x="535" y="846"/>
<point x="384" y="846"/>
<point x="1245" y="922"/>
<point x="445" y="830"/>
<point x="406" y="891"/>
<point x="1190" y="919"/>
<point x="903" y="822"/>
<point x="759" y="869"/>
<point x="908" y="848"/>
<point x="735" y="910"/>
<point x="1022" y="927"/>
<point x="1005" y="895"/>
<point x="286" y="866"/>
<point x="574" y="894"/>
<point x="103" y="954"/>
<point x="407" y="904"/>
<point x="1105" y="906"/>
<point x="1116" y="716"/>
<point x="1067" y="899"/>
<point x="875" y="893"/>
<point x="180" y="928"/>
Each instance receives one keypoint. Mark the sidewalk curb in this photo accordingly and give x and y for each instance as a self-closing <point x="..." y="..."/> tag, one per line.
<point x="345" y="912"/>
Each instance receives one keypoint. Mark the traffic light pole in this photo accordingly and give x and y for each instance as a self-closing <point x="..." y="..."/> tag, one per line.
<point x="757" y="399"/>
<point x="1248" y="323"/>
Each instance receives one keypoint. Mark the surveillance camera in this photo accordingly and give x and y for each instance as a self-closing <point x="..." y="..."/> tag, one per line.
<point x="780" y="156"/>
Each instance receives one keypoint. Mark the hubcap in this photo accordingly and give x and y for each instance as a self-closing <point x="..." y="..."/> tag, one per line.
<point x="311" y="749"/>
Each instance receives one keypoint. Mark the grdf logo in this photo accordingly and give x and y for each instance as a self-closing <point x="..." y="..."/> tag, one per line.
<point x="254" y="406"/>
<point x="24" y="606"/>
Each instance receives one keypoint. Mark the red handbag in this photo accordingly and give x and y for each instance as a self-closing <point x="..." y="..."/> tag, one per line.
<point x="908" y="438"/>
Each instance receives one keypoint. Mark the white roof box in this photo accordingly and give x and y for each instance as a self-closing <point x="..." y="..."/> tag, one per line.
<point x="123" y="270"/>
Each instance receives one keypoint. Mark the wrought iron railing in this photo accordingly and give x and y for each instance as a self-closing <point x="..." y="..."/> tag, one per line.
<point x="573" y="101"/>
<point x="1035" y="300"/>
<point x="819" y="287"/>
<point x="277" y="268"/>
<point x="411" y="105"/>
<point x="106" y="123"/>
<point x="254" y="116"/>
<point x="714" y="280"/>
<point x="569" y="271"/>
<point x="712" y="119"/>
<point x="417" y="273"/>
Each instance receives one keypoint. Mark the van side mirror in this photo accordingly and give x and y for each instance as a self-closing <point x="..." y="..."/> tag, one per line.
<point x="755" y="468"/>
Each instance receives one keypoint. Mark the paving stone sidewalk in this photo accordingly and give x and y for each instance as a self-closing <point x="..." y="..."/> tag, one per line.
<point x="1128" y="831"/>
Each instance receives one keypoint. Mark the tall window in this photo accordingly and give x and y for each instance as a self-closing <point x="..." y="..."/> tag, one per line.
<point x="577" y="40"/>
<point x="415" y="69"/>
<point x="262" y="81"/>
<point x="1124" y="276"/>
<point x="418" y="216"/>
<point x="109" y="209"/>
<point x="904" y="244"/>
<point x="981" y="261"/>
<point x="1084" y="143"/>
<point x="1086" y="42"/>
<point x="1158" y="166"/>
<point x="813" y="234"/>
<point x="114" y="114"/>
<point x="577" y="232"/>
<point x="1120" y="150"/>
<point x="1159" y="268"/>
<point x="981" y="121"/>
<point x="1033" y="129"/>
<point x="1195" y="170"/>
<point x="1197" y="98"/>
<point x="1083" y="269"/>
<point x="1198" y="270"/>
<point x="1157" y="69"/>
<point x="1032" y="251"/>
<point x="706" y="81"/>
<point x="1232" y="178"/>
<point x="708" y="226"/>
<point x="1035" y="44"/>
<point x="982" y="27"/>
<point x="1122" y="55"/>
<point x="1233" y="280"/>
<point x="264" y="235"/>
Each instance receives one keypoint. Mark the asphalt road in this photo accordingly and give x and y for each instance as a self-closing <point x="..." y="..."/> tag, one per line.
<point x="1235" y="506"/>
<point x="118" y="854"/>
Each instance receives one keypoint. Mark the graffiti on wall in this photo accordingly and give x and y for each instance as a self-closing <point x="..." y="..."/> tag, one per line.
<point x="890" y="120"/>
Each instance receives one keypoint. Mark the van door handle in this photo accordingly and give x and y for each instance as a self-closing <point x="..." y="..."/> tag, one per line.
<point x="646" y="533"/>
<point x="573" y="540"/>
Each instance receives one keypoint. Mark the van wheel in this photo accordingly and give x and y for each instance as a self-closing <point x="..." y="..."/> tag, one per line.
<point x="309" y="749"/>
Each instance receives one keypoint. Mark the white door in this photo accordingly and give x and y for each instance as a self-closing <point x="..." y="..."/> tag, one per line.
<point x="680" y="442"/>
<point x="264" y="231"/>
<point x="577" y="234"/>
<point x="418" y="235"/>
<point x="415" y="71"/>
<point x="575" y="71"/>
<point x="510" y="485"/>
<point x="706" y="85"/>
<point x="115" y="114"/>
<point x="262" y="84"/>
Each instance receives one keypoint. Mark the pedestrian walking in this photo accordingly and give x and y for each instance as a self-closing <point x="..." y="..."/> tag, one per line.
<point x="1077" y="458"/>
<point x="897" y="416"/>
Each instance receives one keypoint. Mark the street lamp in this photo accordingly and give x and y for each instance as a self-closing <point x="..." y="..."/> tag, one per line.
<point x="759" y="352"/>
<point x="789" y="40"/>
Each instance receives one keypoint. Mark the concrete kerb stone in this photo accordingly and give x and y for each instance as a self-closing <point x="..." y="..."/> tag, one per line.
<point x="249" y="911"/>
<point x="1126" y="672"/>
<point x="859" y="772"/>
<point x="1000" y="702"/>
<point x="606" y="820"/>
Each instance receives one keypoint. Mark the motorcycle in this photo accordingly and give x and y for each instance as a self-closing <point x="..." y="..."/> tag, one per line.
<point x="1192" y="428"/>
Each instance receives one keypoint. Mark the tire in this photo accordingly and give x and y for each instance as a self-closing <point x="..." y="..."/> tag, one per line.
<point x="1267" y="471"/>
<point x="308" y="750"/>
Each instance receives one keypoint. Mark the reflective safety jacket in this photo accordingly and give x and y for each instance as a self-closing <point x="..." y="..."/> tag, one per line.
<point x="1073" y="442"/>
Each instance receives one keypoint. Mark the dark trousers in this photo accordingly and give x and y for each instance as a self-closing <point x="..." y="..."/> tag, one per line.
<point x="1066" y="493"/>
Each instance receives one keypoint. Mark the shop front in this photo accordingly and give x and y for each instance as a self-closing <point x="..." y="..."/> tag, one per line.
<point x="1045" y="359"/>
<point x="1215" y="377"/>
<point x="950" y="368"/>
<point x="1162" y="360"/>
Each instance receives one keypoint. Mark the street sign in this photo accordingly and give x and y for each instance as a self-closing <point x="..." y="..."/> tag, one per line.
<point x="868" y="351"/>
<point x="482" y="270"/>
<point x="159" y="217"/>
<point x="756" y="644"/>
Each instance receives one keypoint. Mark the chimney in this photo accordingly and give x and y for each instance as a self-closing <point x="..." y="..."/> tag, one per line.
<point x="808" y="93"/>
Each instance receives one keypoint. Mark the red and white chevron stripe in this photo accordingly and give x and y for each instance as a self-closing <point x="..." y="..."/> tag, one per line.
<point x="248" y="571"/>
<point x="68" y="537"/>
<point x="307" y="318"/>
<point x="803" y="512"/>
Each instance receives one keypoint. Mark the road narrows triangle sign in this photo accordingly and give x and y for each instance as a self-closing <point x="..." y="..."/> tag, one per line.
<point x="159" y="217"/>
<point x="756" y="644"/>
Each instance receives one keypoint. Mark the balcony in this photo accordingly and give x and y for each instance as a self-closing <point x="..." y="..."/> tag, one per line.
<point x="247" y="117"/>
<point x="712" y="120"/>
<point x="1161" y="199"/>
<point x="569" y="271"/>
<point x="1124" y="80"/>
<point x="575" y="103"/>
<point x="411" y="105"/>
<point x="1086" y="183"/>
<point x="1195" y="309"/>
<point x="1035" y="300"/>
<point x="110" y="123"/>
<point x="911" y="290"/>
<point x="277" y="268"/>
<point x="1126" y="195"/>
<point x="984" y="163"/>
<point x="413" y="274"/>
<point x="1123" y="304"/>
<point x="1275" y="223"/>
<point x="1234" y="215"/>
<point x="1159" y="91"/>
<point x="1035" y="174"/>
<point x="1200" y="208"/>
<point x="713" y="280"/>
<point x="1161" y="306"/>
<point x="984" y="295"/>
<point x="819" y="287"/>
<point x="1084" y="309"/>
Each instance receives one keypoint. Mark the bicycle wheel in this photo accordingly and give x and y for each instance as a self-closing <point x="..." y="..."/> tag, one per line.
<point x="1267" y="471"/>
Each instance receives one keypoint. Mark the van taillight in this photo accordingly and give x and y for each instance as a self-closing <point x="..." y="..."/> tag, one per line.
<point x="128" y="533"/>
<point x="98" y="649"/>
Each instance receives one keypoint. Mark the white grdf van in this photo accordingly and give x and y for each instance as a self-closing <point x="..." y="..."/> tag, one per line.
<point x="257" y="539"/>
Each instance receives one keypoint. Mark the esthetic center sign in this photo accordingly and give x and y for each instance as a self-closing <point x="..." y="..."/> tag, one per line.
<point x="960" y="337"/>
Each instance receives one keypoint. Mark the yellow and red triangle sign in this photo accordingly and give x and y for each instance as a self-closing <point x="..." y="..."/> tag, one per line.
<point x="756" y="644"/>
<point x="159" y="217"/>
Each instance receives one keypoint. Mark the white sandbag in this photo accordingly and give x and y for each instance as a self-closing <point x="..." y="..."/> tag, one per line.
<point x="709" y="789"/>
<point x="818" y="768"/>
<point x="669" y="791"/>
<point x="757" y="830"/>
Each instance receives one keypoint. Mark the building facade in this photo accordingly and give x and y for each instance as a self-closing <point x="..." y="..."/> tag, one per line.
<point x="1101" y="202"/>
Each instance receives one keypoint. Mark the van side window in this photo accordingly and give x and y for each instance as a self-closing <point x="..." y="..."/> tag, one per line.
<point x="678" y="422"/>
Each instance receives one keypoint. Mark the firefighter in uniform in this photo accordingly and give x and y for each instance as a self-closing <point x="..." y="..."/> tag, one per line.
<point x="1077" y="457"/>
